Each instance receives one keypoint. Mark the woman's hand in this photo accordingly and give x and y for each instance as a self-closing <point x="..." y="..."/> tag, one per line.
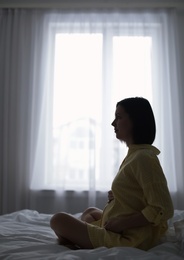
<point x="110" y="196"/>
<point x="114" y="224"/>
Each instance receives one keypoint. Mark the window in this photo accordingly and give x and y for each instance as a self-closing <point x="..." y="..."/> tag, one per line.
<point x="92" y="71"/>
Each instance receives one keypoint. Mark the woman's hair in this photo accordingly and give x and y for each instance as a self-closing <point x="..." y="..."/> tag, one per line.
<point x="141" y="114"/>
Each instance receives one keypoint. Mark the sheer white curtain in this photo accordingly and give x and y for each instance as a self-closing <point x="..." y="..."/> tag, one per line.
<point x="21" y="96"/>
<point x="34" y="135"/>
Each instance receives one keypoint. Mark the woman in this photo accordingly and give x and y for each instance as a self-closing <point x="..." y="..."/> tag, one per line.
<point x="139" y="202"/>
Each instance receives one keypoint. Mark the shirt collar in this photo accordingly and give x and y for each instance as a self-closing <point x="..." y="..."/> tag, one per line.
<point x="135" y="147"/>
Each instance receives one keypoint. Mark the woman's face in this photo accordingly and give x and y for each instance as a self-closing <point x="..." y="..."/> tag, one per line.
<point x="123" y="126"/>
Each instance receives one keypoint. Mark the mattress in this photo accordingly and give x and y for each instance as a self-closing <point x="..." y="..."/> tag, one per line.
<point x="26" y="234"/>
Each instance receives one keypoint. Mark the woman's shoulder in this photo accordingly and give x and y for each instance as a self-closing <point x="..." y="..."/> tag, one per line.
<point x="143" y="150"/>
<point x="144" y="157"/>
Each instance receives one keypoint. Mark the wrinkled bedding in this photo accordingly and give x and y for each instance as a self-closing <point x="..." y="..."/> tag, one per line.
<point x="26" y="234"/>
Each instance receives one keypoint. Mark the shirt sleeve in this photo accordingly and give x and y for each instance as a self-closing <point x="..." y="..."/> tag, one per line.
<point x="160" y="206"/>
<point x="153" y="182"/>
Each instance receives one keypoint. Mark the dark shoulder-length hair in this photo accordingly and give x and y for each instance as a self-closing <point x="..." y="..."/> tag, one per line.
<point x="141" y="114"/>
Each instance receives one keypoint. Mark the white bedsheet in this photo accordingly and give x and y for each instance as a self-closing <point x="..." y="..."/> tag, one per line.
<point x="26" y="235"/>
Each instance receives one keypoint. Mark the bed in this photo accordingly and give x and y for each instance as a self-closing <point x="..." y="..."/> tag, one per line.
<point x="26" y="234"/>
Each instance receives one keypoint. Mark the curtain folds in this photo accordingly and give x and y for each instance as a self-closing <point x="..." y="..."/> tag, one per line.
<point x="26" y="100"/>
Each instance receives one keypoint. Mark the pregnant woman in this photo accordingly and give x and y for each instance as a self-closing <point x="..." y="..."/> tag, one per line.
<point x="139" y="202"/>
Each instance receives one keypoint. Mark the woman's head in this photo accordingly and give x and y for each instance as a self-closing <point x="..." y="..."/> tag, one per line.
<point x="134" y="121"/>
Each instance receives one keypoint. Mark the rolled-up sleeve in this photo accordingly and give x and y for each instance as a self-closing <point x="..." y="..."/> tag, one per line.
<point x="153" y="182"/>
<point x="160" y="207"/>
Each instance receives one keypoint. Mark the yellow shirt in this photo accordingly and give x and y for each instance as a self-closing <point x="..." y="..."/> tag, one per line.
<point x="139" y="186"/>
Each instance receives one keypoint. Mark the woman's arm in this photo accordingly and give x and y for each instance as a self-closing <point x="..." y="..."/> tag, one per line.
<point x="120" y="223"/>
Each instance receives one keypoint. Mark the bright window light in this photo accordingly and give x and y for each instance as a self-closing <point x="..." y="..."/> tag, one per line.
<point x="79" y="100"/>
<point x="77" y="78"/>
<point x="76" y="107"/>
<point x="132" y="67"/>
